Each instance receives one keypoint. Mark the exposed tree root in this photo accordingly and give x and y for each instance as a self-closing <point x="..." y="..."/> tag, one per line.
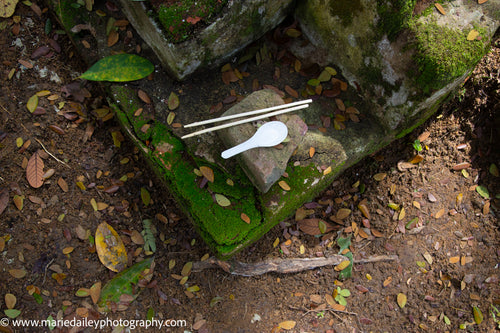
<point x="292" y="265"/>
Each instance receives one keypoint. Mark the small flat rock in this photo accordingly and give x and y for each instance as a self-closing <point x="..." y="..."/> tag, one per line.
<point x="263" y="166"/>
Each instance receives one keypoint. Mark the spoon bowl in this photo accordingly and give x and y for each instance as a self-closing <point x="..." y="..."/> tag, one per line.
<point x="268" y="135"/>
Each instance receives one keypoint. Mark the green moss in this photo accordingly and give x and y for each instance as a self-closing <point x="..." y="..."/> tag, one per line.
<point x="394" y="16"/>
<point x="219" y="226"/>
<point x="345" y="10"/>
<point x="443" y="54"/>
<point x="175" y="17"/>
<point x="70" y="13"/>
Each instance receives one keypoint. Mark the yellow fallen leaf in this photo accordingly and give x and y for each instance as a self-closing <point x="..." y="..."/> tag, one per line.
<point x="401" y="300"/>
<point x="440" y="8"/>
<point x="343" y="265"/>
<point x="284" y="185"/>
<point x="311" y="152"/>
<point x="472" y="34"/>
<point x="287" y="325"/>
<point x="440" y="213"/>
<point x="454" y="260"/>
<point x="110" y="248"/>
<point x="208" y="173"/>
<point x="68" y="250"/>
<point x="379" y="176"/>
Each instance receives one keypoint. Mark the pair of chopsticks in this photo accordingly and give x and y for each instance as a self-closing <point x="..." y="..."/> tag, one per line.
<point x="284" y="108"/>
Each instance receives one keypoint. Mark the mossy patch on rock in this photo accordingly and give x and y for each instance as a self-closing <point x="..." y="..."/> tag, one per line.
<point x="179" y="19"/>
<point x="443" y="53"/>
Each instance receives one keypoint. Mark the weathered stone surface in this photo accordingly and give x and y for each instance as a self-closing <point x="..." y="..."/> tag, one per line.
<point x="242" y="23"/>
<point x="401" y="64"/>
<point x="263" y="166"/>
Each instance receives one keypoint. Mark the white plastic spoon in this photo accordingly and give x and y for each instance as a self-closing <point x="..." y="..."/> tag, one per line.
<point x="268" y="135"/>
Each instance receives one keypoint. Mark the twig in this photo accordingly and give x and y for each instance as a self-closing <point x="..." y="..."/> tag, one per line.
<point x="3" y="107"/>
<point x="292" y="265"/>
<point x="45" y="270"/>
<point x="332" y="311"/>
<point x="58" y="160"/>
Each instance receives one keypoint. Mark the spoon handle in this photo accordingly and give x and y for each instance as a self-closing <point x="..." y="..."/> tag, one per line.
<point x="249" y="144"/>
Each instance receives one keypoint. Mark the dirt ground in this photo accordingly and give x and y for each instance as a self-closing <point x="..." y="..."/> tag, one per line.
<point x="431" y="215"/>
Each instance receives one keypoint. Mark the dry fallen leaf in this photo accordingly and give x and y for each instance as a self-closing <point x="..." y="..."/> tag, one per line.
<point x="454" y="260"/>
<point x="440" y="8"/>
<point x="343" y="265"/>
<point x="245" y="218"/>
<point x="440" y="213"/>
<point x="208" y="173"/>
<point x="284" y="185"/>
<point x="472" y="35"/>
<point x="34" y="170"/>
<point x="287" y="325"/>
<point x="10" y="301"/>
<point x="110" y="248"/>
<point x="401" y="300"/>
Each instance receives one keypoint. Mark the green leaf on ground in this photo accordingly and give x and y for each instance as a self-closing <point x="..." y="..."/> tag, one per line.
<point x="12" y="313"/>
<point x="145" y="196"/>
<point x="478" y="315"/>
<point x="119" y="68"/>
<point x="483" y="191"/>
<point x="124" y="282"/>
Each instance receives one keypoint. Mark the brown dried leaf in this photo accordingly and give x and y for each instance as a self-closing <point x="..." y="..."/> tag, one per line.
<point x="284" y="185"/>
<point x="312" y="226"/>
<point x="95" y="292"/>
<point x="10" y="301"/>
<point x="417" y="159"/>
<point x="62" y="184"/>
<point x="461" y="166"/>
<point x="292" y="92"/>
<point x="342" y="213"/>
<point x="143" y="96"/>
<point x="424" y="136"/>
<point x="18" y="273"/>
<point x="34" y="170"/>
<point x="57" y="129"/>
<point x="387" y="281"/>
<point x="440" y="213"/>
<point x="113" y="38"/>
<point x="288" y="324"/>
<point x="4" y="199"/>
<point x="364" y="209"/>
<point x="312" y="150"/>
<point x="440" y="8"/>
<point x="208" y="173"/>
<point x="137" y="238"/>
<point x="245" y="218"/>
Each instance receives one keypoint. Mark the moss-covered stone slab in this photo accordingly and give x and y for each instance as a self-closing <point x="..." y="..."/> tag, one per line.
<point x="240" y="23"/>
<point x="400" y="62"/>
<point x="345" y="124"/>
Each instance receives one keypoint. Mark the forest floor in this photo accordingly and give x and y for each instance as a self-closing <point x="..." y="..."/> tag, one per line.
<point x="439" y="217"/>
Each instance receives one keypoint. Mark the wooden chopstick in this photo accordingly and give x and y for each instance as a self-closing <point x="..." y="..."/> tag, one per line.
<point x="239" y="122"/>
<point x="249" y="113"/>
